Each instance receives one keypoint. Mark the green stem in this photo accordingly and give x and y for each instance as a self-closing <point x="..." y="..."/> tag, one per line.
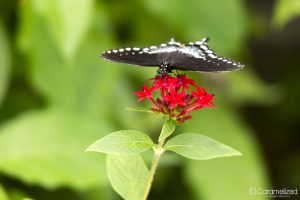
<point x="158" y="151"/>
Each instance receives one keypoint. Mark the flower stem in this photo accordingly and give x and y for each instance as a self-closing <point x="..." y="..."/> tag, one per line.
<point x="158" y="151"/>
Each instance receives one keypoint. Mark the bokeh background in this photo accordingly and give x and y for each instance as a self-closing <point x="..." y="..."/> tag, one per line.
<point x="57" y="96"/>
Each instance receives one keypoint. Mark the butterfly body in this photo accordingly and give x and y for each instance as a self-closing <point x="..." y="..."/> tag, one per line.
<point x="174" y="55"/>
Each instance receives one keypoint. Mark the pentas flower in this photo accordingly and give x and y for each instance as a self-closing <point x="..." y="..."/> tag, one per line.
<point x="175" y="96"/>
<point x="146" y="93"/>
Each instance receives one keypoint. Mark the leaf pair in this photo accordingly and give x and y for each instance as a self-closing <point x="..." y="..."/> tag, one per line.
<point x="190" y="145"/>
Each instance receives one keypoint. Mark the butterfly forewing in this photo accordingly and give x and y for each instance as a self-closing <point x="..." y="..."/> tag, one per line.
<point x="200" y="58"/>
<point x="135" y="56"/>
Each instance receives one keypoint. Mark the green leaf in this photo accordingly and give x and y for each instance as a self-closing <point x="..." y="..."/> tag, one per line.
<point x="128" y="175"/>
<point x="167" y="129"/>
<point x="3" y="195"/>
<point x="50" y="144"/>
<point x="199" y="147"/>
<point x="137" y="109"/>
<point x="67" y="29"/>
<point x="4" y="62"/>
<point x="285" y="10"/>
<point x="225" y="125"/>
<point x="122" y="142"/>
<point x="49" y="147"/>
<point x="67" y="84"/>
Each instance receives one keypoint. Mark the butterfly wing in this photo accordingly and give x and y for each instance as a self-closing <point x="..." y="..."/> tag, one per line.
<point x="149" y="56"/>
<point x="198" y="57"/>
<point x="134" y="56"/>
<point x="192" y="57"/>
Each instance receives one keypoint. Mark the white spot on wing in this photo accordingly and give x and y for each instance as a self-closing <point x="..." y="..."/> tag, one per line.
<point x="153" y="47"/>
<point x="173" y="42"/>
<point x="204" y="47"/>
<point x="167" y="49"/>
<point x="115" y="51"/>
<point x="128" y="49"/>
<point x="136" y="49"/>
<point x="212" y="55"/>
<point x="191" y="51"/>
<point x="121" y="50"/>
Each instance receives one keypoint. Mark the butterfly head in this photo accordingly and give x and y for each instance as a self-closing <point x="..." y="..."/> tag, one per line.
<point x="164" y="68"/>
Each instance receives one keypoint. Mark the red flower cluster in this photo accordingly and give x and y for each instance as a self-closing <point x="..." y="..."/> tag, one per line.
<point x="176" y="100"/>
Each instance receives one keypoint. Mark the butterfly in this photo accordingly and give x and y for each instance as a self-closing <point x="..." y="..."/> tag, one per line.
<point x="194" y="56"/>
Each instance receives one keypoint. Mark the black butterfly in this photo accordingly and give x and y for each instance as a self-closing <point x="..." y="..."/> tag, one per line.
<point x="195" y="56"/>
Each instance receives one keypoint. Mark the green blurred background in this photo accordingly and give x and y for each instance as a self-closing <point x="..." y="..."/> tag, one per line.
<point x="57" y="96"/>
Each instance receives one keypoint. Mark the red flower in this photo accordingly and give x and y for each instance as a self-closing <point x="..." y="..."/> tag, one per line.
<point x="184" y="81"/>
<point x="176" y="99"/>
<point x="203" y="98"/>
<point x="164" y="82"/>
<point x="146" y="93"/>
